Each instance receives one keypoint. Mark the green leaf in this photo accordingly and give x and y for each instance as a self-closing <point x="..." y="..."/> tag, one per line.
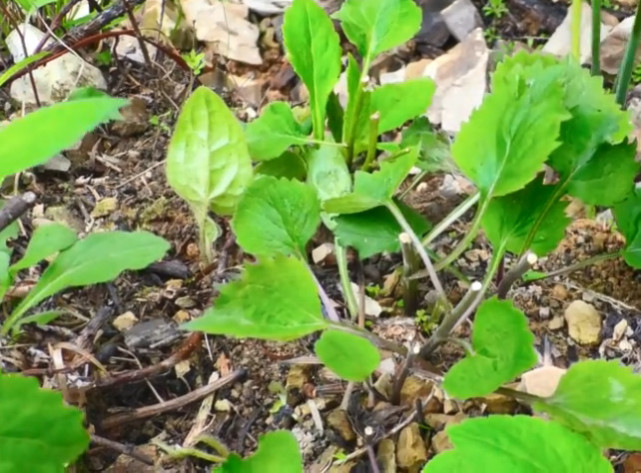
<point x="335" y="117"/>
<point x="398" y="103"/>
<point x="375" y="26"/>
<point x="508" y="220"/>
<point x="275" y="130"/>
<point x="314" y="51"/>
<point x="100" y="257"/>
<point x="17" y="67"/>
<point x="628" y="217"/>
<point x="433" y="148"/>
<point x="373" y="190"/>
<point x="351" y="357"/>
<point x="328" y="172"/>
<point x="508" y="138"/>
<point x="41" y="318"/>
<point x="62" y="124"/>
<point x="38" y="433"/>
<point x="208" y="163"/>
<point x="289" y="165"/>
<point x="601" y="400"/>
<point x="519" y="444"/>
<point x="276" y="299"/>
<point x="277" y="452"/>
<point x="359" y="119"/>
<point x="45" y="241"/>
<point x="503" y="349"/>
<point x="276" y="216"/>
<point x="376" y="230"/>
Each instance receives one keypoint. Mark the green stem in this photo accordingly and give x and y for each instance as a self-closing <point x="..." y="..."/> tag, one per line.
<point x="373" y="140"/>
<point x="452" y="217"/>
<point x="372" y="337"/>
<point x="625" y="72"/>
<point x="400" y="218"/>
<point x="343" y="272"/>
<point x="596" y="37"/>
<point x="579" y="265"/>
<point x="469" y="237"/>
<point x="576" y="29"/>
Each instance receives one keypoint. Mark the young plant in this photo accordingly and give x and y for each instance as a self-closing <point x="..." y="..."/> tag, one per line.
<point x="541" y="112"/>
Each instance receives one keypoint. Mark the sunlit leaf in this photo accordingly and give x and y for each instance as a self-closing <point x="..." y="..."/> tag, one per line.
<point x="278" y="452"/>
<point x="275" y="130"/>
<point x="351" y="357"/>
<point x="275" y="299"/>
<point x="398" y="103"/>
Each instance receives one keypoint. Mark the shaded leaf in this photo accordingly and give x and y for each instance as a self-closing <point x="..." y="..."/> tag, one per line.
<point x="62" y="124"/>
<point x="433" y="148"/>
<point x="208" y="163"/>
<point x="276" y="216"/>
<point x="601" y="400"/>
<point x="401" y="102"/>
<point x="277" y="452"/>
<point x="509" y="219"/>
<point x="517" y="444"/>
<point x="38" y="433"/>
<point x="328" y="172"/>
<point x="275" y="130"/>
<point x="45" y="241"/>
<point x="351" y="357"/>
<point x="375" y="189"/>
<point x="288" y="165"/>
<point x="503" y="349"/>
<point x="275" y="299"/>
<point x="376" y="230"/>
<point x="314" y="51"/>
<point x="375" y="26"/>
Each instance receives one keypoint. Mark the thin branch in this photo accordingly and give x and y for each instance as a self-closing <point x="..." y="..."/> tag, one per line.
<point x="15" y="207"/>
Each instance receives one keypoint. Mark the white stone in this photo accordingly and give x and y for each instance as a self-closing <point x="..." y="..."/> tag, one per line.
<point x="584" y="323"/>
<point x="461" y="18"/>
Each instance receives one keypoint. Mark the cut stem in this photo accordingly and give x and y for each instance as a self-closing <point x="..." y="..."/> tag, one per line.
<point x="515" y="273"/>
<point x="410" y="266"/>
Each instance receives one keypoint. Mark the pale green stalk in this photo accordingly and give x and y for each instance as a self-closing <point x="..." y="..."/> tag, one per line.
<point x="627" y="65"/>
<point x="596" y="37"/>
<point x="576" y="29"/>
<point x="346" y="284"/>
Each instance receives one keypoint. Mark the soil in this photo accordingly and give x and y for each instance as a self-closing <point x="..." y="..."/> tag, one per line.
<point x="279" y="385"/>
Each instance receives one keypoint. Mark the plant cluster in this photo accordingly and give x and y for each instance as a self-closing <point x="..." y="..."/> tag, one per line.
<point x="291" y="170"/>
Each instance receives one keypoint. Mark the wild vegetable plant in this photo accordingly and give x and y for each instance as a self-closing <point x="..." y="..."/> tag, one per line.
<point x="331" y="167"/>
<point x="34" y="419"/>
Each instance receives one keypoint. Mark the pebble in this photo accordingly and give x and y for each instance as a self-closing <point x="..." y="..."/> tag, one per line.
<point x="584" y="323"/>
<point x="411" y="450"/>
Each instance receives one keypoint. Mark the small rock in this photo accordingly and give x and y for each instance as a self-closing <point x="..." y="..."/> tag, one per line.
<point x="440" y="421"/>
<point x="58" y="164"/>
<point x="135" y="119"/>
<point x="557" y="322"/>
<point x="619" y="330"/>
<point x="298" y="375"/>
<point x="541" y="381"/>
<point x="499" y="404"/>
<point x="544" y="312"/>
<point x="411" y="451"/>
<point x="461" y="18"/>
<point x="339" y="421"/>
<point x="181" y="316"/>
<point x="386" y="456"/>
<point x="125" y="321"/>
<point x="450" y="406"/>
<point x="441" y="442"/>
<point x="154" y="333"/>
<point x="61" y="214"/>
<point x="584" y="323"/>
<point x="250" y="90"/>
<point x="559" y="292"/>
<point x="185" y="302"/>
<point x="372" y="308"/>
<point x="321" y="252"/>
<point x="414" y="388"/>
<point x="104" y="207"/>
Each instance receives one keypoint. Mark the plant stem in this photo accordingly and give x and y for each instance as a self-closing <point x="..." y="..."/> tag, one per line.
<point x="468" y="238"/>
<point x="410" y="266"/>
<point x="414" y="350"/>
<point x="465" y="307"/>
<point x="515" y="273"/>
<point x="400" y="218"/>
<point x="625" y="72"/>
<point x="579" y="265"/>
<point x="343" y="272"/>
<point x="372" y="337"/>
<point x="325" y="300"/>
<point x="576" y="29"/>
<point x="452" y="217"/>
<point x="373" y="140"/>
<point x="519" y="395"/>
<point x="596" y="37"/>
<point x="350" y="138"/>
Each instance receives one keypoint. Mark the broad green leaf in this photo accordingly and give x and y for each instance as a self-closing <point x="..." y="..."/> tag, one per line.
<point x="45" y="241"/>
<point x="503" y="349"/>
<point x="627" y="214"/>
<point x="376" y="230"/>
<point x="433" y="148"/>
<point x="328" y="172"/>
<point x="275" y="130"/>
<point x="509" y="219"/>
<point x="517" y="444"/>
<point x="17" y="67"/>
<point x="351" y="357"/>
<point x="100" y="257"/>
<point x="313" y="49"/>
<point x="58" y="127"/>
<point x="601" y="400"/>
<point x="5" y="276"/>
<point x="373" y="190"/>
<point x="375" y="26"/>
<point x="335" y="117"/>
<point x="208" y="163"/>
<point x="276" y="216"/>
<point x="508" y="138"/>
<point x="278" y="452"/>
<point x="275" y="299"/>
<point x="398" y="103"/>
<point x="86" y="93"/>
<point x="289" y="165"/>
<point x="41" y="318"/>
<point x="38" y="433"/>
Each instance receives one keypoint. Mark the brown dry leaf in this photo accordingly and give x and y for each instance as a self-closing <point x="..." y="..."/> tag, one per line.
<point x="223" y="364"/>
